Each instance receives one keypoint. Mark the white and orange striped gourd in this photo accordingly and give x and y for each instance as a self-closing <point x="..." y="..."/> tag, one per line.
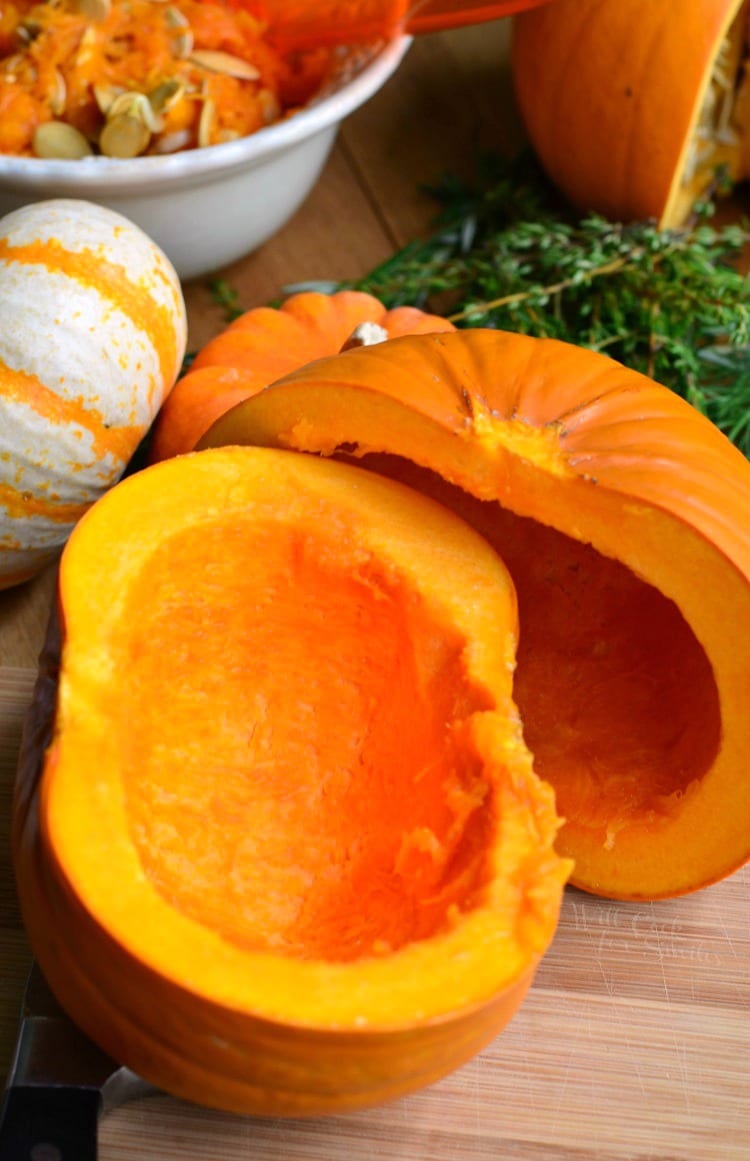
<point x="93" y="331"/>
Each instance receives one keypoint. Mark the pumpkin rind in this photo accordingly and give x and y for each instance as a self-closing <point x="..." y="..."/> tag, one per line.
<point x="92" y="336"/>
<point x="611" y="93"/>
<point x="158" y="972"/>
<point x="521" y="436"/>
<point x="262" y="345"/>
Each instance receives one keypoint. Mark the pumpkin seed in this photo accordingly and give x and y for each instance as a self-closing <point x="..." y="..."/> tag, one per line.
<point x="183" y="45"/>
<point x="173" y="142"/>
<point x="57" y="139"/>
<point x="165" y="96"/>
<point x="121" y="102"/>
<point x="59" y="94"/>
<point x="206" y="123"/>
<point x="269" y="105"/>
<point x="134" y="104"/>
<point x="224" y="62"/>
<point x="96" y="10"/>
<point x="125" y="135"/>
<point x="104" y="95"/>
<point x="184" y="42"/>
<point x="175" y="18"/>
<point x="84" y="54"/>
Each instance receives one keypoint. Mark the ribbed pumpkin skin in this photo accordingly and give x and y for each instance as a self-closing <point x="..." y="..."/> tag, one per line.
<point x="502" y="427"/>
<point x="310" y="949"/>
<point x="262" y="345"/>
<point x="92" y="335"/>
<point x="610" y="92"/>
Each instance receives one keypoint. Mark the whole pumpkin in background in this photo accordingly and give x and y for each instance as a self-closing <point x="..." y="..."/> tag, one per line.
<point x="93" y="330"/>
<point x="623" y="516"/>
<point x="225" y="898"/>
<point x="262" y="345"/>
<point x="632" y="105"/>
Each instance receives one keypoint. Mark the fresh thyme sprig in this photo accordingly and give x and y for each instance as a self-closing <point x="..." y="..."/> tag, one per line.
<point x="507" y="254"/>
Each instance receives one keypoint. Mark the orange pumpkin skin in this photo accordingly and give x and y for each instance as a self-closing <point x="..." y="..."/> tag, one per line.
<point x="624" y="518"/>
<point x="262" y="345"/>
<point x="170" y="881"/>
<point x="611" y="93"/>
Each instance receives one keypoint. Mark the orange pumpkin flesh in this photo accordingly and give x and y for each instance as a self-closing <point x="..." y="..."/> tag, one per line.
<point x="262" y="345"/>
<point x="632" y="105"/>
<point x="287" y="852"/>
<point x="622" y="515"/>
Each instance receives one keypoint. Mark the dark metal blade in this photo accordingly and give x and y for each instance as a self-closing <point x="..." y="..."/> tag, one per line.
<point x="59" y="1085"/>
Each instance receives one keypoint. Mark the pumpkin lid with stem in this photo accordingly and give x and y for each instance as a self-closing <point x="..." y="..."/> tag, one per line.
<point x="634" y="106"/>
<point x="287" y="787"/>
<point x="622" y="514"/>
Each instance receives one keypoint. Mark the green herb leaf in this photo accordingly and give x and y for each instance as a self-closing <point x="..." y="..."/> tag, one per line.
<point x="227" y="298"/>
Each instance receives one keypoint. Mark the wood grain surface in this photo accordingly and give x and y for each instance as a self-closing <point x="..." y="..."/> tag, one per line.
<point x="634" y="1042"/>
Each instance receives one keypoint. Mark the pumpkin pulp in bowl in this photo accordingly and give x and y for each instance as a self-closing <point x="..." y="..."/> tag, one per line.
<point x="288" y="853"/>
<point x="622" y="515"/>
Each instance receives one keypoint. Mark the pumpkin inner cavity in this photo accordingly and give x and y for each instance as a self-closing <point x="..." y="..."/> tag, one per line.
<point x="306" y="786"/>
<point x="722" y="134"/>
<point x="617" y="697"/>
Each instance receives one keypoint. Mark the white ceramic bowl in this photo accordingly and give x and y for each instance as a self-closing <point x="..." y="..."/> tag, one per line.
<point x="209" y="207"/>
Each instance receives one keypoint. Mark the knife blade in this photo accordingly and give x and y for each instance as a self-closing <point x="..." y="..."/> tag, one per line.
<point x="59" y="1086"/>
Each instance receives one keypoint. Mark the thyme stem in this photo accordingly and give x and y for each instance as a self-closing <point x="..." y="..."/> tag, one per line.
<point x="523" y="295"/>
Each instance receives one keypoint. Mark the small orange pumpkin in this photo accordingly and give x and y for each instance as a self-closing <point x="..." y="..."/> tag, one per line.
<point x="92" y="335"/>
<point x="624" y="518"/>
<point x="631" y="105"/>
<point x="225" y="898"/>
<point x="262" y="345"/>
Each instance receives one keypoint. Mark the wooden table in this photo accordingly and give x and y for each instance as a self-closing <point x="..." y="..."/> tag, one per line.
<point x="634" y="1042"/>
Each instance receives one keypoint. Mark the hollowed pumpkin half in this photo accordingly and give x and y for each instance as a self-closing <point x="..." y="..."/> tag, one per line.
<point x="633" y="105"/>
<point x="624" y="518"/>
<point x="287" y="853"/>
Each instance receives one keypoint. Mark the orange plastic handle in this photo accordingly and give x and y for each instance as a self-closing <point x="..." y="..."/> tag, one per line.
<point x="303" y="24"/>
<point x="432" y="15"/>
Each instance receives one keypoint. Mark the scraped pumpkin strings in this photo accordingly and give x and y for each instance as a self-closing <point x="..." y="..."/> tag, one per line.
<point x="506" y="253"/>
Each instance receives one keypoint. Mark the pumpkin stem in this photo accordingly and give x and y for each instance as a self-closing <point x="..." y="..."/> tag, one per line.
<point x="367" y="334"/>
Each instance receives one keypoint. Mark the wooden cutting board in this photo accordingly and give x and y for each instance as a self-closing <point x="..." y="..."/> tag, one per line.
<point x="633" y="1045"/>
